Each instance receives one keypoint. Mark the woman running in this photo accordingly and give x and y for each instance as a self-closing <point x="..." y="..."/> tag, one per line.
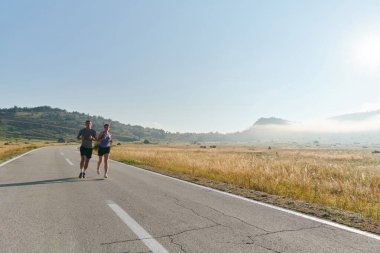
<point x="105" y="140"/>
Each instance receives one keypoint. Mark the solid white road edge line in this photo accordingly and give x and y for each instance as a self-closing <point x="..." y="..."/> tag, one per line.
<point x="69" y="162"/>
<point x="142" y="234"/>
<point x="305" y="216"/>
<point x="17" y="157"/>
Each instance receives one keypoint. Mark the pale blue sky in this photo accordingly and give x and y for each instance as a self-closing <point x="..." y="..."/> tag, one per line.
<point x="192" y="66"/>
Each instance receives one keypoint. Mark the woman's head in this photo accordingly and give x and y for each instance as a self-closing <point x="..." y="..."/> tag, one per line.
<point x="106" y="126"/>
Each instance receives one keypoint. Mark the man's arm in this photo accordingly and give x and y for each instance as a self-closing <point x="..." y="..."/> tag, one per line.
<point x="94" y="136"/>
<point x="79" y="136"/>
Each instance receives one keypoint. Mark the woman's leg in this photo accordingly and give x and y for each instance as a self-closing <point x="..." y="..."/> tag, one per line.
<point x="106" y="156"/>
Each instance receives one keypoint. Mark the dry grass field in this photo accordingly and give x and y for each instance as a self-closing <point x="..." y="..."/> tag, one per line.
<point x="9" y="149"/>
<point x="344" y="179"/>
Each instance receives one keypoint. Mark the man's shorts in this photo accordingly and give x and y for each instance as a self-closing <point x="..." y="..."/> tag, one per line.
<point x="86" y="151"/>
<point x="102" y="151"/>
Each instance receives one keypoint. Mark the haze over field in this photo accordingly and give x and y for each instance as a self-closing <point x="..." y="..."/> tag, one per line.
<point x="331" y="125"/>
<point x="196" y="66"/>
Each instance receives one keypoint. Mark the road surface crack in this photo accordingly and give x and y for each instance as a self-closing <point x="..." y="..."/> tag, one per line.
<point x="188" y="230"/>
<point x="137" y="252"/>
<point x="243" y="221"/>
<point x="178" y="244"/>
<point x="262" y="246"/>
<point x="178" y="203"/>
<point x="171" y="236"/>
<point x="252" y="238"/>
<point x="287" y="230"/>
<point x="123" y="241"/>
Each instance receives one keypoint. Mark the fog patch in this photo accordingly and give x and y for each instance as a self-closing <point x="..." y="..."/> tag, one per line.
<point x="328" y="126"/>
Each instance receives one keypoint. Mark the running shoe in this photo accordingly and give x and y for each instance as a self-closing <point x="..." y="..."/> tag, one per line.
<point x="80" y="175"/>
<point x="84" y="175"/>
<point x="105" y="176"/>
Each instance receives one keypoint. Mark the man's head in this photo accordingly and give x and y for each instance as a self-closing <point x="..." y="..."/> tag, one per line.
<point x="88" y="123"/>
<point x="106" y="126"/>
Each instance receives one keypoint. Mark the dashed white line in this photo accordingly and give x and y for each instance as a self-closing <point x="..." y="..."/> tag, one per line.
<point x="69" y="162"/>
<point x="142" y="234"/>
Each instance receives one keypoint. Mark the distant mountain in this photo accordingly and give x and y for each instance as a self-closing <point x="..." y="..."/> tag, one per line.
<point x="271" y="121"/>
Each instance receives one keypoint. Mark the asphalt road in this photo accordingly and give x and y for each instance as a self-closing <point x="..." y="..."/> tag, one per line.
<point x="44" y="207"/>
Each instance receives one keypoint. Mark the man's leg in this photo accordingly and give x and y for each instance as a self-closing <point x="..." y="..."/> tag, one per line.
<point x="99" y="162"/>
<point x="88" y="152"/>
<point x="82" y="159"/>
<point x="86" y="161"/>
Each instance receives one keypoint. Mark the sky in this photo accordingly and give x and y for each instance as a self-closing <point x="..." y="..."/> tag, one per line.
<point x="192" y="66"/>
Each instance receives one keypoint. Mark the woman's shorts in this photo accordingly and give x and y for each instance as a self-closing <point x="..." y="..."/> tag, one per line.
<point x="86" y="151"/>
<point x="102" y="151"/>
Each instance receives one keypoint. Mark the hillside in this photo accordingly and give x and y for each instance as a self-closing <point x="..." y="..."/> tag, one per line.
<point x="45" y="122"/>
<point x="49" y="123"/>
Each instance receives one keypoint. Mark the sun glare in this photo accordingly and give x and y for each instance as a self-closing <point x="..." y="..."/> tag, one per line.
<point x="366" y="53"/>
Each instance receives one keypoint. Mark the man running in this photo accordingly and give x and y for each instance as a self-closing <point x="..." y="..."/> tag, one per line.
<point x="87" y="135"/>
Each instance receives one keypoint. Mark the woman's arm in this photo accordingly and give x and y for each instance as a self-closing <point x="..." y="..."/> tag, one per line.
<point x="101" y="136"/>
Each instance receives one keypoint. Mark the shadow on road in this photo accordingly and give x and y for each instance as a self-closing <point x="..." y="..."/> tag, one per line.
<point x="50" y="181"/>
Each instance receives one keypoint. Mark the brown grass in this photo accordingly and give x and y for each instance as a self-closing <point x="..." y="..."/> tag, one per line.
<point x="345" y="179"/>
<point x="10" y="149"/>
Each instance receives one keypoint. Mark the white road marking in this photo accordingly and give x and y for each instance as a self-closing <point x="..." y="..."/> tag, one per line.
<point x="69" y="162"/>
<point x="142" y="234"/>
<point x="330" y="223"/>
